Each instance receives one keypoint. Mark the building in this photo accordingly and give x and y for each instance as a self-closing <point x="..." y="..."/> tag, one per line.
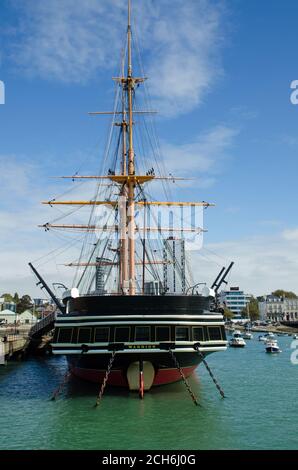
<point x="290" y="309"/>
<point x="278" y="309"/>
<point x="8" y="317"/>
<point x="174" y="266"/>
<point x="271" y="308"/>
<point x="235" y="300"/>
<point x="27" y="318"/>
<point x="8" y="305"/>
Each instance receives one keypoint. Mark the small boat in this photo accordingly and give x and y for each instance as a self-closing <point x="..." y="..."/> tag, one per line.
<point x="247" y="335"/>
<point x="272" y="346"/>
<point x="237" y="340"/>
<point x="266" y="337"/>
<point x="295" y="336"/>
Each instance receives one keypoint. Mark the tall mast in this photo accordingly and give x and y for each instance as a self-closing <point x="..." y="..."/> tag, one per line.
<point x="131" y="163"/>
<point x="123" y="261"/>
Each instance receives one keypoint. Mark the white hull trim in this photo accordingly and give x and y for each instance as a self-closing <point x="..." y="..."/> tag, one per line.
<point x="119" y="317"/>
<point x="136" y="351"/>
<point x="141" y="322"/>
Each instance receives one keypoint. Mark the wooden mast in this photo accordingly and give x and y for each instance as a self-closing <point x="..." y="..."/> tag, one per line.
<point x="131" y="163"/>
<point x="123" y="261"/>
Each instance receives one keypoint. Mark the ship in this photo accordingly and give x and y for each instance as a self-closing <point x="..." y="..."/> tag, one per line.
<point x="133" y="317"/>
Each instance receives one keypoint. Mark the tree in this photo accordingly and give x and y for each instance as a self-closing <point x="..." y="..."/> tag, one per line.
<point x="7" y="297"/>
<point x="24" y="303"/>
<point x="251" y="310"/>
<point x="16" y="298"/>
<point x="284" y="293"/>
<point x="228" y="314"/>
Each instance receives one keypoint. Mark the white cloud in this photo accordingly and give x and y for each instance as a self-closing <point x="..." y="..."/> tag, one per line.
<point x="291" y="235"/>
<point x="202" y="156"/>
<point x="262" y="264"/>
<point x="72" y="41"/>
<point x="23" y="187"/>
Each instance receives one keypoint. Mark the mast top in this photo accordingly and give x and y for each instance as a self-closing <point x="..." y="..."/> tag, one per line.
<point x="129" y="15"/>
<point x="129" y="65"/>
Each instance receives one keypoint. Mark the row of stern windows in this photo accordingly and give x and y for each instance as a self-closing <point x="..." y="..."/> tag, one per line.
<point x="126" y="334"/>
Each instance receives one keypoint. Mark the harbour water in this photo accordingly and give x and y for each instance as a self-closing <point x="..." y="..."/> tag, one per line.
<point x="260" y="411"/>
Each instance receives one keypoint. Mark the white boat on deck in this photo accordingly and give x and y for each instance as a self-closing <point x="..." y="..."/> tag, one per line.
<point x="272" y="347"/>
<point x="237" y="340"/>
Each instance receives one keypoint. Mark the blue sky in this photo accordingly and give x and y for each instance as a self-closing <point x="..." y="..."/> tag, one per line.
<point x="220" y="74"/>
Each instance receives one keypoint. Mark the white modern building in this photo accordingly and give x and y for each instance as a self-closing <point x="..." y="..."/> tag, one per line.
<point x="174" y="265"/>
<point x="235" y="300"/>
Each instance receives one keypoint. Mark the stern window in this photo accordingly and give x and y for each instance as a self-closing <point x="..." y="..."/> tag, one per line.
<point x="182" y="333"/>
<point x="102" y="335"/>
<point x="122" y="334"/>
<point x="64" y="335"/>
<point x="198" y="334"/>
<point x="162" y="333"/>
<point x="84" y="335"/>
<point x="214" y="333"/>
<point x="142" y="333"/>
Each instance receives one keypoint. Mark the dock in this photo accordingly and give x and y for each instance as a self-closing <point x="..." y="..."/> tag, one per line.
<point x="12" y="345"/>
<point x="16" y="342"/>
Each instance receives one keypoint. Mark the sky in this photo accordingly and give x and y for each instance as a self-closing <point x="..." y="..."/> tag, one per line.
<point x="219" y="74"/>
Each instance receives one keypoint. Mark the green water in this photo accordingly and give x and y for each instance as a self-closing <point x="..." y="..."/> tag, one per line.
<point x="260" y="411"/>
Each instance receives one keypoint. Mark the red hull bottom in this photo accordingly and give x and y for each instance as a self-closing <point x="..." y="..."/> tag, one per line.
<point x="118" y="377"/>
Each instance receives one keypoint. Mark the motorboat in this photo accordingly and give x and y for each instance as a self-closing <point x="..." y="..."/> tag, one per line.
<point x="247" y="335"/>
<point x="266" y="336"/>
<point x="272" y="347"/>
<point x="237" y="340"/>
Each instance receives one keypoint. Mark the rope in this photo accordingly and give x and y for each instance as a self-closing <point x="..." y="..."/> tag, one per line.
<point x="193" y="397"/>
<point x="196" y="347"/>
<point x="104" y="383"/>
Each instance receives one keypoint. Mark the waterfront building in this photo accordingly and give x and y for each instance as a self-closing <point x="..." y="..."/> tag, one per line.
<point x="235" y="300"/>
<point x="290" y="309"/>
<point x="271" y="308"/>
<point x="278" y="309"/>
<point x="8" y="306"/>
<point x="8" y="316"/>
<point x="27" y="318"/>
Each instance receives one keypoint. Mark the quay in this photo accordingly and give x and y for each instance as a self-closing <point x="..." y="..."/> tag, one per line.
<point x="286" y="330"/>
<point x="15" y="342"/>
<point x="11" y="345"/>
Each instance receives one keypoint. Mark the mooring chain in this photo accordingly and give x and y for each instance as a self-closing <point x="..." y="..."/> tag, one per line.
<point x="175" y="360"/>
<point x="196" y="347"/>
<point x="104" y="383"/>
<point x="67" y="375"/>
<point x="60" y="387"/>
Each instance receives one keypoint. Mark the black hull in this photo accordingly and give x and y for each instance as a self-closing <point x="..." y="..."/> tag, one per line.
<point x="140" y="329"/>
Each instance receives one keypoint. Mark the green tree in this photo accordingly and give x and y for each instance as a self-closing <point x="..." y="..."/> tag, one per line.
<point x="284" y="293"/>
<point x="228" y="314"/>
<point x="25" y="303"/>
<point x="16" y="298"/>
<point x="7" y="297"/>
<point x="251" y="310"/>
